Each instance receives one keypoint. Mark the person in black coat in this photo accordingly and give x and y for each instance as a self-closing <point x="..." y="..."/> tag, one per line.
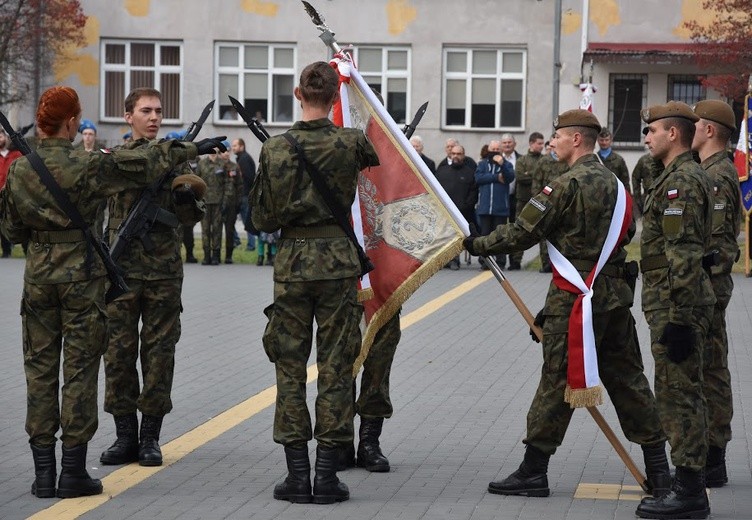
<point x="248" y="171"/>
<point x="417" y="143"/>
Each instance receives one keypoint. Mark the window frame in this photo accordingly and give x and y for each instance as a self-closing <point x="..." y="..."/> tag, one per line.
<point x="388" y="74"/>
<point x="612" y="78"/>
<point x="127" y="68"/>
<point x="468" y="75"/>
<point x="241" y="72"/>
<point x="693" y="80"/>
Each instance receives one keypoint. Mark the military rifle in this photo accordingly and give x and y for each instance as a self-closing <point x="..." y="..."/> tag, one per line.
<point x="147" y="212"/>
<point x="118" y="287"/>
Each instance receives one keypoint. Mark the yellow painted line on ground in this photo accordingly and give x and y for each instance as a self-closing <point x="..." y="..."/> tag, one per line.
<point x="609" y="492"/>
<point x="128" y="476"/>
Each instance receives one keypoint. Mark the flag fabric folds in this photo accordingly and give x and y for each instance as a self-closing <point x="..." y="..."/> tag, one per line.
<point x="409" y="226"/>
<point x="742" y="159"/>
<point x="588" y="91"/>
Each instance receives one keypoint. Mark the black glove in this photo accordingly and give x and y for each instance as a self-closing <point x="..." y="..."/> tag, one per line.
<point x="209" y="144"/>
<point x="468" y="244"/>
<point x="679" y="341"/>
<point x="539" y="320"/>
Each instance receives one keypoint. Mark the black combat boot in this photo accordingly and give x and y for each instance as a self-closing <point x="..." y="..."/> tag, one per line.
<point x="45" y="471"/>
<point x="207" y="258"/>
<point x="715" y="467"/>
<point x="260" y="260"/>
<point x="656" y="467"/>
<point x="369" y="450"/>
<point x="270" y="259"/>
<point x="74" y="479"/>
<point x="149" y="453"/>
<point x="125" y="448"/>
<point x="296" y="488"/>
<point x="687" y="498"/>
<point x="215" y="257"/>
<point x="530" y="479"/>
<point x="190" y="259"/>
<point x="346" y="457"/>
<point x="327" y="488"/>
<point x="228" y="256"/>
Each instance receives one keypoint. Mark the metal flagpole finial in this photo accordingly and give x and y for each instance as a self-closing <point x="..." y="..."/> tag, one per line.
<point x="327" y="36"/>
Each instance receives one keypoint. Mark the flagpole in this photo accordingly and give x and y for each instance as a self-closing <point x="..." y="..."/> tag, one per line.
<point x="747" y="271"/>
<point x="594" y="412"/>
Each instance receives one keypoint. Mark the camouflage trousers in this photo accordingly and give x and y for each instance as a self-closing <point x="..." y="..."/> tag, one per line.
<point x="621" y="372"/>
<point x="545" y="260"/>
<point x="157" y="304"/>
<point x="211" y="229"/>
<point x="288" y="341"/>
<point x="373" y="401"/>
<point x="715" y="372"/>
<point x="67" y="319"/>
<point x="679" y="391"/>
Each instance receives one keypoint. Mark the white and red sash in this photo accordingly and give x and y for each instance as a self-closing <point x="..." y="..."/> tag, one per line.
<point x="583" y="382"/>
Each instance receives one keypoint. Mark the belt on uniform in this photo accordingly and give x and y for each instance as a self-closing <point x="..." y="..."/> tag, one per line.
<point x="610" y="270"/>
<point x="329" y="231"/>
<point x="61" y="236"/>
<point x="156" y="227"/>
<point x="651" y="263"/>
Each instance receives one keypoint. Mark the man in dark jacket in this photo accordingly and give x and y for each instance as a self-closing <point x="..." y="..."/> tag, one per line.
<point x="248" y="171"/>
<point x="458" y="180"/>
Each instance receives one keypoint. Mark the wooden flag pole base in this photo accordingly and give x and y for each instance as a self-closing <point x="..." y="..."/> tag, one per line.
<point x="594" y="412"/>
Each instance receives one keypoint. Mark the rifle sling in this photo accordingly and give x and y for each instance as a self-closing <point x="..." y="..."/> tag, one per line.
<point x="68" y="208"/>
<point x="320" y="184"/>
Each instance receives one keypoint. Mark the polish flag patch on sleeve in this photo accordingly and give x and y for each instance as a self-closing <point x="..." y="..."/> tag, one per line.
<point x="672" y="194"/>
<point x="105" y="150"/>
<point x="547" y="190"/>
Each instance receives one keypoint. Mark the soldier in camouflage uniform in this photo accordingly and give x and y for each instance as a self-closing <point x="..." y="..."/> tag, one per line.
<point x="645" y="171"/>
<point x="63" y="308"/>
<point x="574" y="214"/>
<point x="678" y="299"/>
<point x="233" y="195"/>
<point x="215" y="173"/>
<point x="315" y="277"/>
<point x="523" y="174"/>
<point x="612" y="160"/>
<point x="546" y="170"/>
<point x="713" y="131"/>
<point x="155" y="278"/>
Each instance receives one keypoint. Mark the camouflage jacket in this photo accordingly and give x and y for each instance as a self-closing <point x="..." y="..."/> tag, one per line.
<point x="340" y="154"/>
<point x="616" y="164"/>
<point x="727" y="213"/>
<point x="216" y="174"/>
<point x="574" y="215"/>
<point x="523" y="174"/>
<point x="87" y="178"/>
<point x="643" y="175"/>
<point x="164" y="262"/>
<point x="546" y="170"/>
<point x="677" y="225"/>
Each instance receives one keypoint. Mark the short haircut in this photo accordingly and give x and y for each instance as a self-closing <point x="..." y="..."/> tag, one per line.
<point x="507" y="136"/>
<point x="605" y="132"/>
<point x="418" y="139"/>
<point x="589" y="134"/>
<point x="722" y="132"/>
<point x="534" y="137"/>
<point x="459" y="146"/>
<point x="319" y="84"/>
<point x="241" y="142"/>
<point x="685" y="126"/>
<point x="138" y="93"/>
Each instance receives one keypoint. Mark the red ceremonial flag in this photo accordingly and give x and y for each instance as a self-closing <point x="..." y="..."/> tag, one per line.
<point x="740" y="154"/>
<point x="410" y="227"/>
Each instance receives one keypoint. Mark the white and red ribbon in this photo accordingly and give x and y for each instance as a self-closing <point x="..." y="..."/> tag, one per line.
<point x="582" y="364"/>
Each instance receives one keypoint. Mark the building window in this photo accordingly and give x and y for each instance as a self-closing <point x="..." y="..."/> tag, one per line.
<point x="387" y="70"/>
<point x="627" y="94"/>
<point x="688" y="89"/>
<point x="484" y="88"/>
<point x="262" y="77"/>
<point x="132" y="64"/>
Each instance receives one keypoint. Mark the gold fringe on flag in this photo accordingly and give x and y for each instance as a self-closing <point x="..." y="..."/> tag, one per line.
<point x="584" y="397"/>
<point x="365" y="294"/>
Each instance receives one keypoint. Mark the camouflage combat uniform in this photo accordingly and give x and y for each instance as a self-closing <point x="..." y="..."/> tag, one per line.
<point x="643" y="175"/>
<point x="523" y="174"/>
<point x="215" y="175"/>
<point x="575" y="217"/>
<point x="233" y="194"/>
<point x="726" y="225"/>
<point x="677" y="224"/>
<point x="63" y="307"/>
<point x="546" y="170"/>
<point x="155" y="280"/>
<point x="616" y="164"/>
<point x="315" y="275"/>
<point x="373" y="400"/>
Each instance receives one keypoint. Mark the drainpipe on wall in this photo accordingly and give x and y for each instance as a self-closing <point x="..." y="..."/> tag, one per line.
<point x="557" y="58"/>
